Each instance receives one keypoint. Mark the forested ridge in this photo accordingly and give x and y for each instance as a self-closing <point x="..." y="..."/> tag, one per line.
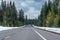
<point x="50" y="14"/>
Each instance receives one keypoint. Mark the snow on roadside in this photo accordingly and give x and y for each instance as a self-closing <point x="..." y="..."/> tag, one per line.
<point x="57" y="30"/>
<point x="6" y="28"/>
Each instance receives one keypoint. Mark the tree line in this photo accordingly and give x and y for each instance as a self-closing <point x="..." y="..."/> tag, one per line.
<point x="9" y="15"/>
<point x="50" y="14"/>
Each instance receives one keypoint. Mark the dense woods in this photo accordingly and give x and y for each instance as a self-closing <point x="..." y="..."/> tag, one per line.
<point x="50" y="14"/>
<point x="9" y="15"/>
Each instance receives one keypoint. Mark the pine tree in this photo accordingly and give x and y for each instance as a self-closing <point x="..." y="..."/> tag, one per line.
<point x="21" y="15"/>
<point x="56" y="21"/>
<point x="1" y="16"/>
<point x="14" y="14"/>
<point x="50" y="18"/>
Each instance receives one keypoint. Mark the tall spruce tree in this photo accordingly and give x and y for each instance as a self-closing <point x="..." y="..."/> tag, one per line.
<point x="21" y="15"/>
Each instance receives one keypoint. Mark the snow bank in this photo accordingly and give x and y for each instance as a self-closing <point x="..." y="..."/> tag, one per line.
<point x="57" y="30"/>
<point x="6" y="28"/>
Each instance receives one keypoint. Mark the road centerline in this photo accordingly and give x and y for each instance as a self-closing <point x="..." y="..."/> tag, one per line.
<point x="39" y="34"/>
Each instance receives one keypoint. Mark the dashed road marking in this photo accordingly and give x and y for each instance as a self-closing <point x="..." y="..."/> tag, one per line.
<point x="39" y="34"/>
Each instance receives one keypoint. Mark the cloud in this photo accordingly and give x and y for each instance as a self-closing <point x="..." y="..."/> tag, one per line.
<point x="24" y="4"/>
<point x="32" y="13"/>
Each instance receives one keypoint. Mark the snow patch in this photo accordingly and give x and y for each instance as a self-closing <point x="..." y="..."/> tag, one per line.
<point x="57" y="30"/>
<point x="6" y="28"/>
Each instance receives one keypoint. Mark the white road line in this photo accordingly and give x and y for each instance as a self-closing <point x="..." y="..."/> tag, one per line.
<point x="39" y="34"/>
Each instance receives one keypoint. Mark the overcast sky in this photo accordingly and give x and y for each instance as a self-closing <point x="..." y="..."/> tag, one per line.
<point x="31" y="8"/>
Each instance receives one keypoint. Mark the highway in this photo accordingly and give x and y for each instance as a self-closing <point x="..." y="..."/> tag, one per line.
<point x="28" y="33"/>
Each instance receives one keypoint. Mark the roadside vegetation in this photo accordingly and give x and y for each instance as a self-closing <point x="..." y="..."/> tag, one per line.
<point x="50" y="14"/>
<point x="9" y="15"/>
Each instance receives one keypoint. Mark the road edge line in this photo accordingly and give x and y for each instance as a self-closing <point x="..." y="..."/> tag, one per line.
<point x="39" y="34"/>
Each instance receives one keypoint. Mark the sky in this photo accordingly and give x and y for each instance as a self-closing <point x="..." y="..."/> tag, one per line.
<point x="31" y="8"/>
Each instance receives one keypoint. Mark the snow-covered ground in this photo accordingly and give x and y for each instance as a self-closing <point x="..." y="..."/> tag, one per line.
<point x="6" y="28"/>
<point x="57" y="30"/>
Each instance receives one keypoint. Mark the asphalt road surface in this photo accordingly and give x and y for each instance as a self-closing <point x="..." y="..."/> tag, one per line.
<point x="28" y="33"/>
